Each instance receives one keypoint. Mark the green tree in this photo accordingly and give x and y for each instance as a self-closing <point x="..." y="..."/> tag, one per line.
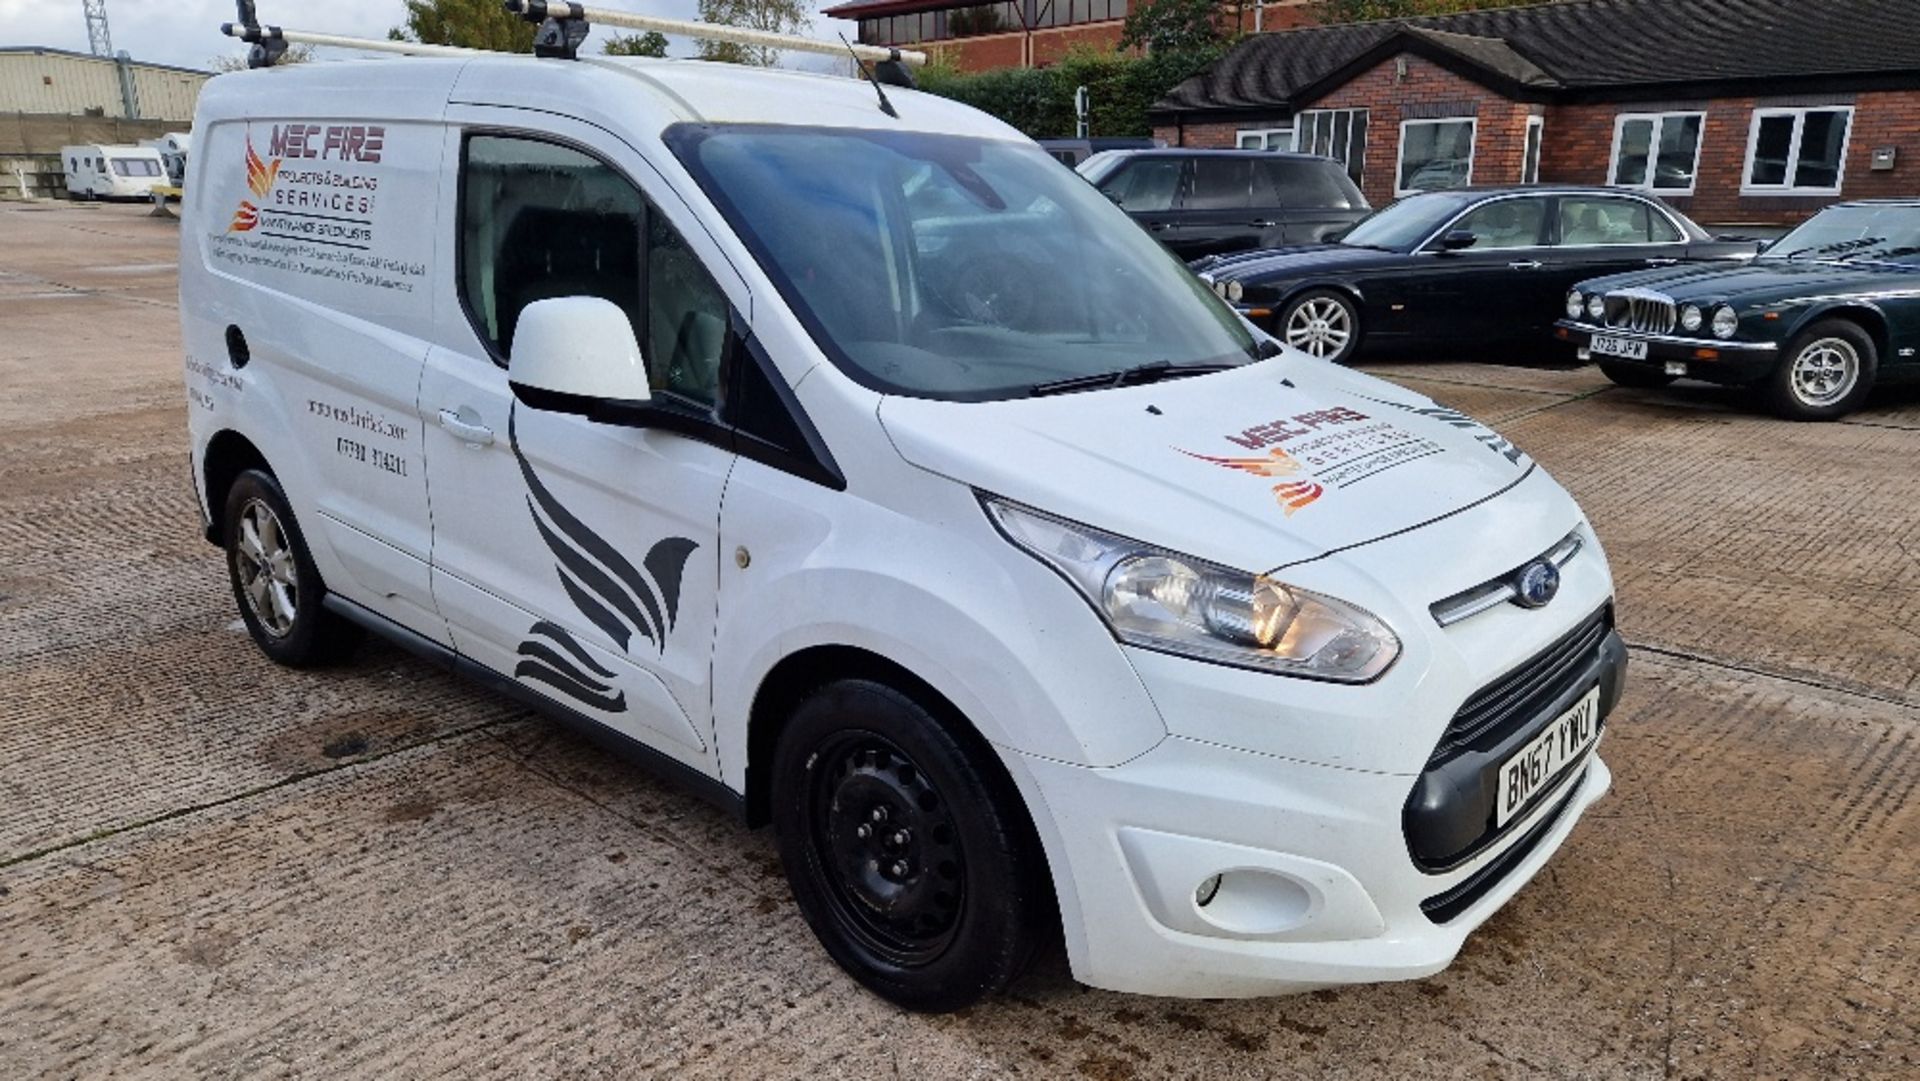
<point x="1349" y="11"/>
<point x="1179" y="26"/>
<point x="471" y="24"/>
<point x="651" y="43"/>
<point x="773" y="16"/>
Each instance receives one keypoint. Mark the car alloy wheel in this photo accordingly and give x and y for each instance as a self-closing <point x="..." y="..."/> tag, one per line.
<point x="1825" y="372"/>
<point x="1320" y="326"/>
<point x="891" y="850"/>
<point x="269" y="575"/>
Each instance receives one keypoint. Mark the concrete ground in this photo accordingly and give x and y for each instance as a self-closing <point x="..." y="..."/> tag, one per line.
<point x="211" y="866"/>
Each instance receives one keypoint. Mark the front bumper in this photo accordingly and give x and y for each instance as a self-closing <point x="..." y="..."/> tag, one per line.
<point x="1319" y="891"/>
<point x="1710" y="359"/>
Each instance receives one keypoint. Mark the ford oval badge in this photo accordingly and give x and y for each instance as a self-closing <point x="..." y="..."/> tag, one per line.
<point x="1536" y="585"/>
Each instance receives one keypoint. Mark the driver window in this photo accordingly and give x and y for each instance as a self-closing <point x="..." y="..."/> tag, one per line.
<point x="539" y="220"/>
<point x="1146" y="185"/>
<point x="1504" y="223"/>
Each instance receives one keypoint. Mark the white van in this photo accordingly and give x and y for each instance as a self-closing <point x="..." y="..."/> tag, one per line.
<point x="94" y="171"/>
<point x="173" y="148"/>
<point x="881" y="480"/>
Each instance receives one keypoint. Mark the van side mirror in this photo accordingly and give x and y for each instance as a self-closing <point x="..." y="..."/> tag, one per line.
<point x="573" y="353"/>
<point x="1458" y="240"/>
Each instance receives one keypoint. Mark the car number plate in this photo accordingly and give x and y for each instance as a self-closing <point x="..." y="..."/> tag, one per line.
<point x="1533" y="768"/>
<point x="1630" y="348"/>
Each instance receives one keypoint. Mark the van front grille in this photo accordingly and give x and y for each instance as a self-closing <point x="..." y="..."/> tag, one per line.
<point x="1518" y="697"/>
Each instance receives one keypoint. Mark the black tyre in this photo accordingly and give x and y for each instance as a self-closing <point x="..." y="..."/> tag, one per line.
<point x="1633" y="375"/>
<point x="908" y="851"/>
<point x="274" y="581"/>
<point x="1322" y="323"/>
<point x="1825" y="373"/>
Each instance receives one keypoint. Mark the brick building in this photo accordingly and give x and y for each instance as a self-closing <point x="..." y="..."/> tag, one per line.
<point x="1736" y="111"/>
<point x="1026" y="33"/>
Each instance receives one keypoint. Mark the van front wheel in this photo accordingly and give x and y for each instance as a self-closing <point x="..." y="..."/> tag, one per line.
<point x="274" y="581"/>
<point x="907" y="850"/>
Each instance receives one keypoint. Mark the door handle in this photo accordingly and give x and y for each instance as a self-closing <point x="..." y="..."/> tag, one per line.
<point x="1525" y="264"/>
<point x="475" y="434"/>
<point x="1662" y="261"/>
<point x="1157" y="227"/>
<point x="1263" y="224"/>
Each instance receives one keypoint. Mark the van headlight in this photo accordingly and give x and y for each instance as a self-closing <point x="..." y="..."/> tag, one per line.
<point x="1162" y="600"/>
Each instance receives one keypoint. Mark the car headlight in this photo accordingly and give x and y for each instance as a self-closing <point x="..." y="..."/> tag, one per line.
<point x="1575" y="304"/>
<point x="1162" y="600"/>
<point x="1597" y="307"/>
<point x="1725" y="321"/>
<point x="1235" y="291"/>
<point x="1691" y="317"/>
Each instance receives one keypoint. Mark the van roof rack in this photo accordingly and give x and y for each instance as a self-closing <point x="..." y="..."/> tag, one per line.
<point x="563" y="25"/>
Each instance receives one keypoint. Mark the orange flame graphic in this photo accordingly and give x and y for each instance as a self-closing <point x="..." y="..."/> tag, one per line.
<point x="1277" y="463"/>
<point x="1291" y="495"/>
<point x="244" y="218"/>
<point x="260" y="174"/>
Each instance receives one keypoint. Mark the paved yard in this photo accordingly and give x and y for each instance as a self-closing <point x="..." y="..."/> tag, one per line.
<point x="212" y="866"/>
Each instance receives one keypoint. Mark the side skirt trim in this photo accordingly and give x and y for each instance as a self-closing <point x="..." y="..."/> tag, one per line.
<point x="670" y="770"/>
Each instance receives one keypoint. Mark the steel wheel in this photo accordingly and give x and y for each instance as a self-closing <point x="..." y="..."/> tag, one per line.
<point x="1824" y="372"/>
<point x="269" y="575"/>
<point x="1321" y="325"/>
<point x="889" y="847"/>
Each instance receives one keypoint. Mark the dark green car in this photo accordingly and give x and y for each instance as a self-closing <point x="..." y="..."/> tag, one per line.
<point x="1812" y="323"/>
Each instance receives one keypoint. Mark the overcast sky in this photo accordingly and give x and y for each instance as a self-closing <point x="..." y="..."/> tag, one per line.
<point x="187" y="32"/>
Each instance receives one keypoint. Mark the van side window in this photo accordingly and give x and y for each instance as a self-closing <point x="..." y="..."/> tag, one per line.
<point x="540" y="220"/>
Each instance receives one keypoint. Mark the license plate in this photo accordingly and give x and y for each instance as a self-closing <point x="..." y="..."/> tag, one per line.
<point x="1630" y="348"/>
<point x="1533" y="768"/>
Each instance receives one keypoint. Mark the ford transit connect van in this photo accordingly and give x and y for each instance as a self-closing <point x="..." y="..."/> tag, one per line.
<point x="697" y="406"/>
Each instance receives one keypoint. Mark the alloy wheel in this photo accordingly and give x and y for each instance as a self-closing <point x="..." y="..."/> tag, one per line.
<point x="269" y="577"/>
<point x="1825" y="372"/>
<point x="1320" y="327"/>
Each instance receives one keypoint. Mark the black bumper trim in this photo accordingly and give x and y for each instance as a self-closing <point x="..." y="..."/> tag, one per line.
<point x="1447" y="906"/>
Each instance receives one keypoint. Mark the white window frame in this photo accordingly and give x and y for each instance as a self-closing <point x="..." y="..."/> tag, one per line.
<point x="1267" y="137"/>
<point x="1653" y="150"/>
<point x="1539" y="149"/>
<point x="1303" y="123"/>
<point x="1799" y="114"/>
<point x="1400" y="159"/>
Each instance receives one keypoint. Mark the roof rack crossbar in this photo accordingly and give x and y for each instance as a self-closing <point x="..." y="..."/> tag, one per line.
<point x="563" y="26"/>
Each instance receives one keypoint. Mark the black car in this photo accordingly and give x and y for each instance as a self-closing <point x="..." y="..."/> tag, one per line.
<point x="1812" y="323"/>
<point x="1468" y="267"/>
<point x="1215" y="202"/>
<point x="1071" y="152"/>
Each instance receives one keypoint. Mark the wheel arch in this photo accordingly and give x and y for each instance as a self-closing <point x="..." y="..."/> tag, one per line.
<point x="1861" y="313"/>
<point x="228" y="455"/>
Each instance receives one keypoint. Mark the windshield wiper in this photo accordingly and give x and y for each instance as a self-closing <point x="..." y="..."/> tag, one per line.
<point x="1874" y="256"/>
<point x="1836" y="246"/>
<point x="1150" y="372"/>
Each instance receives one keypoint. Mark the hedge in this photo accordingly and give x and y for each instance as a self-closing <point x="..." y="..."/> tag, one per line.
<point x="1039" y="101"/>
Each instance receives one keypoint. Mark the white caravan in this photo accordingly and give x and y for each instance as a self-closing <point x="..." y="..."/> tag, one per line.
<point x="94" y="171"/>
<point x="173" y="147"/>
<point x="881" y="480"/>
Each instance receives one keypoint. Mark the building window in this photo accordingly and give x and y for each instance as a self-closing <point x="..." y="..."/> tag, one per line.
<point x="1264" y="139"/>
<point x="1340" y="134"/>
<point x="1797" y="151"/>
<point x="1530" y="157"/>
<point x="1434" y="155"/>
<point x="1656" y="151"/>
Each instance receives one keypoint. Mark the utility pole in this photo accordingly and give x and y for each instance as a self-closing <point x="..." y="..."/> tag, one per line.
<point x="99" y="40"/>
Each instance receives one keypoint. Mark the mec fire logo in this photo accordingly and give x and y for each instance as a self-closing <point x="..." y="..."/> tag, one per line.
<point x="260" y="178"/>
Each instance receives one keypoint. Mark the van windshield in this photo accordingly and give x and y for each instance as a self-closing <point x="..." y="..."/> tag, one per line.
<point x="949" y="267"/>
